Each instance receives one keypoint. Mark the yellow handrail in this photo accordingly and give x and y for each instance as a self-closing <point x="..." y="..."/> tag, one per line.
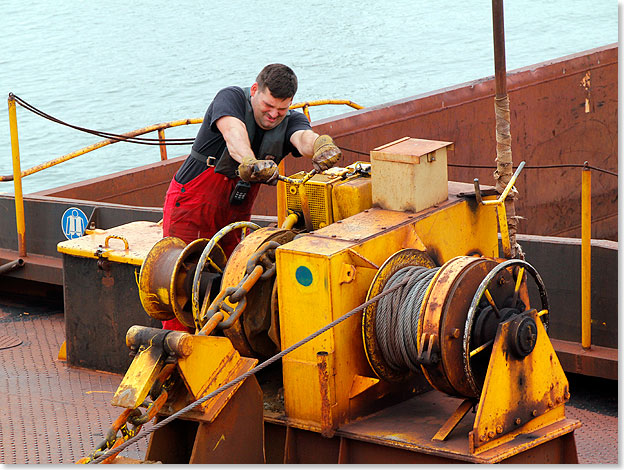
<point x="103" y="143"/>
<point x="155" y="127"/>
<point x="19" y="199"/>
<point x="306" y="104"/>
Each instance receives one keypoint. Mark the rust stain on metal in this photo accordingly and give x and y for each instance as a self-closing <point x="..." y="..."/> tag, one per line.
<point x="326" y="418"/>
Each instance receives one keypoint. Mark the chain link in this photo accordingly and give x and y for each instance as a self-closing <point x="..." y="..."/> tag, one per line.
<point x="260" y="266"/>
<point x="133" y="417"/>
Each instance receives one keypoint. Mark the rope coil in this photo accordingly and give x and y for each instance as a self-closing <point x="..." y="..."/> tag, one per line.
<point x="398" y="316"/>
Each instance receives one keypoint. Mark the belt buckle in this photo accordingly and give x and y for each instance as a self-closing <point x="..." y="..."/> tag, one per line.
<point x="211" y="161"/>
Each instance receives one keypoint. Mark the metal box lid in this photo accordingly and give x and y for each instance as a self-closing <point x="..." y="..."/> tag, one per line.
<point x="129" y="243"/>
<point x="408" y="150"/>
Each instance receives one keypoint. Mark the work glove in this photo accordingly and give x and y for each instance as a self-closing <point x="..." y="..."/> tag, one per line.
<point x="258" y="171"/>
<point x="326" y="153"/>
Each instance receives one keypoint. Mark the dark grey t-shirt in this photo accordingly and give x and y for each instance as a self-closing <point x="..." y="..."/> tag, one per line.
<point x="230" y="101"/>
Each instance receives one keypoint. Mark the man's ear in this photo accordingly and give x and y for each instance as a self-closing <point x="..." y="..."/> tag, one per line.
<point x="254" y="89"/>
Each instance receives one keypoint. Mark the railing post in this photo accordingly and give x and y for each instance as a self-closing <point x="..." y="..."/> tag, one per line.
<point x="163" y="146"/>
<point x="586" y="258"/>
<point x="17" y="179"/>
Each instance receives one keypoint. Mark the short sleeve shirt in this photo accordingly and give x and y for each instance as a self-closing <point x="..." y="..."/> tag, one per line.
<point x="230" y="101"/>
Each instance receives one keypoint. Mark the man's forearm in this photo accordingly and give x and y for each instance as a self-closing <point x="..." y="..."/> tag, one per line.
<point x="304" y="142"/>
<point x="235" y="134"/>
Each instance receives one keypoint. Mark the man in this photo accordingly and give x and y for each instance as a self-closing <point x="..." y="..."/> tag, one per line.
<point x="244" y="135"/>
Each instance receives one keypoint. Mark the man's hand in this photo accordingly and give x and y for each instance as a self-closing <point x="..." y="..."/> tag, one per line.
<point x="258" y="171"/>
<point x="326" y="153"/>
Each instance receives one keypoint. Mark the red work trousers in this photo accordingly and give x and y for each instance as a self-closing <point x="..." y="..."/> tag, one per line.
<point x="199" y="209"/>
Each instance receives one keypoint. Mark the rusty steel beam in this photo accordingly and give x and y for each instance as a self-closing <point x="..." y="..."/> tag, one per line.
<point x="498" y="23"/>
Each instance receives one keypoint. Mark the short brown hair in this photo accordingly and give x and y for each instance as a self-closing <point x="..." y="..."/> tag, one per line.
<point x="279" y="79"/>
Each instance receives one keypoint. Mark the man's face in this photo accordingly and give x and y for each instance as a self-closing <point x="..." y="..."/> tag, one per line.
<point x="268" y="110"/>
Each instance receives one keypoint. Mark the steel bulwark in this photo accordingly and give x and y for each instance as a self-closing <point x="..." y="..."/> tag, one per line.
<point x="551" y="126"/>
<point x="44" y="231"/>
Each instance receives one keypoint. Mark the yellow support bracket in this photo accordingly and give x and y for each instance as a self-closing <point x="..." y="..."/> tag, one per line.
<point x="535" y="387"/>
<point x="500" y="208"/>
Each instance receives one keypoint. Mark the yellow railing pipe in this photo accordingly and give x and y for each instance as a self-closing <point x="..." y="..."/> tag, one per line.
<point x="17" y="179"/>
<point x="586" y="258"/>
<point x="156" y="127"/>
<point x="163" y="146"/>
<point x="82" y="151"/>
<point x="323" y="102"/>
<point x="306" y="104"/>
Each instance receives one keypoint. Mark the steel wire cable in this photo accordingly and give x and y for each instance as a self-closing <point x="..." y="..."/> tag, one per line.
<point x="398" y="316"/>
<point x="105" y="135"/>
<point x="526" y="167"/>
<point x="251" y="372"/>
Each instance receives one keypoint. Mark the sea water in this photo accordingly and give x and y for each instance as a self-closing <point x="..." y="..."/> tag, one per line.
<point x="116" y="66"/>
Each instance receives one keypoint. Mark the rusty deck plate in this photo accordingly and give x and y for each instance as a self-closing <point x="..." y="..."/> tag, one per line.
<point x="53" y="413"/>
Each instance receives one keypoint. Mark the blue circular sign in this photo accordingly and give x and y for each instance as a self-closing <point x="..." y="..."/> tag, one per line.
<point x="73" y="223"/>
<point x="304" y="276"/>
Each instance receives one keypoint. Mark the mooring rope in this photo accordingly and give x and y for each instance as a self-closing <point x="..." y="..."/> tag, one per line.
<point x="253" y="371"/>
<point x="398" y="316"/>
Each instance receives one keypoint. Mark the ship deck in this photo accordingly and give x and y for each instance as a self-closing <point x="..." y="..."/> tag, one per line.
<point x="53" y="413"/>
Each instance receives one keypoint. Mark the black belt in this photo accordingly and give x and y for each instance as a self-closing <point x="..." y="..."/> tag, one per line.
<point x="209" y="161"/>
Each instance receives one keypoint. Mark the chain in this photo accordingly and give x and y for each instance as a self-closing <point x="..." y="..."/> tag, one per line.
<point x="221" y="314"/>
<point x="260" y="266"/>
<point x="134" y="418"/>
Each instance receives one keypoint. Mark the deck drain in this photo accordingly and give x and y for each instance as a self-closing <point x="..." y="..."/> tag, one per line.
<point x="7" y="342"/>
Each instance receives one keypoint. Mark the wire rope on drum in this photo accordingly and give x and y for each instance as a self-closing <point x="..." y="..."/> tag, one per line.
<point x="398" y="316"/>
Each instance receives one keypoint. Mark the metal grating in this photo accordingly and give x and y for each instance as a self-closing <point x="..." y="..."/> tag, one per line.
<point x="7" y="342"/>
<point x="51" y="413"/>
<point x="597" y="438"/>
<point x="318" y="190"/>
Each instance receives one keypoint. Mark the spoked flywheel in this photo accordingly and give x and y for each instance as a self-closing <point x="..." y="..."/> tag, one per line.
<point x="501" y="296"/>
